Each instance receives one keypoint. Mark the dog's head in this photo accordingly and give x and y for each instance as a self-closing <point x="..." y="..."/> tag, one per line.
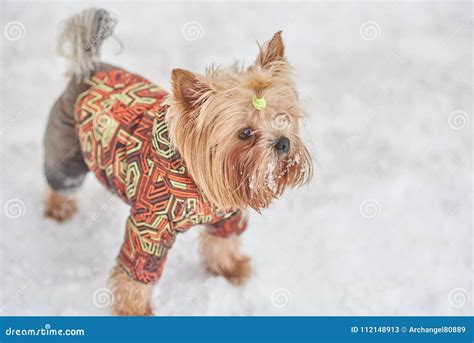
<point x="238" y="130"/>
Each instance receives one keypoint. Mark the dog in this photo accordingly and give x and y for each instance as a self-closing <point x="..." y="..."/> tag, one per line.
<point x="218" y="144"/>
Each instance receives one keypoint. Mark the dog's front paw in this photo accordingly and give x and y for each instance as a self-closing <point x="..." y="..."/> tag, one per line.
<point x="59" y="207"/>
<point x="130" y="297"/>
<point x="238" y="270"/>
<point x="221" y="256"/>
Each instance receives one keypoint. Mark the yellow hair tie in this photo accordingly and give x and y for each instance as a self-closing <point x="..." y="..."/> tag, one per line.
<point x="258" y="103"/>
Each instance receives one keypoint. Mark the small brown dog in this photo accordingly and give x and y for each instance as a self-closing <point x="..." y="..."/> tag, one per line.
<point x="220" y="143"/>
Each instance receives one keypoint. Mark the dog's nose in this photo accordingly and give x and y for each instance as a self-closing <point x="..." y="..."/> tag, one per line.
<point x="283" y="145"/>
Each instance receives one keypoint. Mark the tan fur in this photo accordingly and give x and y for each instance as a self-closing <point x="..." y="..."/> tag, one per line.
<point x="131" y="298"/>
<point x="207" y="114"/>
<point x="222" y="256"/>
<point x="59" y="207"/>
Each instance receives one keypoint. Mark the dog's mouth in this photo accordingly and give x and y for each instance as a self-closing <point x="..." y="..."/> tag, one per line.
<point x="270" y="179"/>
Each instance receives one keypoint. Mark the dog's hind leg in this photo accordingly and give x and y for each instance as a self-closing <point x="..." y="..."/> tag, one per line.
<point x="64" y="166"/>
<point x="65" y="169"/>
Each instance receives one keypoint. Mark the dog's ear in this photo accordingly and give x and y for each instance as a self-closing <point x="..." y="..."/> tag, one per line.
<point x="272" y="51"/>
<point x="189" y="89"/>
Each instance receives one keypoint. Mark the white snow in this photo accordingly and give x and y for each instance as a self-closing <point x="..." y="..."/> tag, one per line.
<point x="379" y="100"/>
<point x="270" y="176"/>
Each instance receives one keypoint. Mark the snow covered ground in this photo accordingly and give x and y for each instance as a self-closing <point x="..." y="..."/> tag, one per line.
<point x="385" y="228"/>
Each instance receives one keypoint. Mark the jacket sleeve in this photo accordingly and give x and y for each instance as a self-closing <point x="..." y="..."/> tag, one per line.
<point x="233" y="225"/>
<point x="144" y="250"/>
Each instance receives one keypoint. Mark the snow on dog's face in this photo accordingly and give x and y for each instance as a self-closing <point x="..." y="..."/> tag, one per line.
<point x="238" y="130"/>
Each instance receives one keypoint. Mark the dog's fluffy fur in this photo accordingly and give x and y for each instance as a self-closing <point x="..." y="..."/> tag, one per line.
<point x="228" y="146"/>
<point x="208" y="112"/>
<point x="222" y="256"/>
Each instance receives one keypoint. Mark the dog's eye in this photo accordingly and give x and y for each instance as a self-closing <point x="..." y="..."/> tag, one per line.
<point x="245" y="133"/>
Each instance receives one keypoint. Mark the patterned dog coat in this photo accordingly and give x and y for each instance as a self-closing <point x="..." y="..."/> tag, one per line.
<point x="120" y="123"/>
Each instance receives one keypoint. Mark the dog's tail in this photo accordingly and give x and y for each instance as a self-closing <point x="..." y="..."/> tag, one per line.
<point x="81" y="38"/>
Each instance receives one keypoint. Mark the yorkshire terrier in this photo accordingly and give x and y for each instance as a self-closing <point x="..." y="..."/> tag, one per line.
<point x="218" y="144"/>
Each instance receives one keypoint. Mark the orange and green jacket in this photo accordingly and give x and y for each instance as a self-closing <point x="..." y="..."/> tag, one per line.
<point x="120" y="122"/>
